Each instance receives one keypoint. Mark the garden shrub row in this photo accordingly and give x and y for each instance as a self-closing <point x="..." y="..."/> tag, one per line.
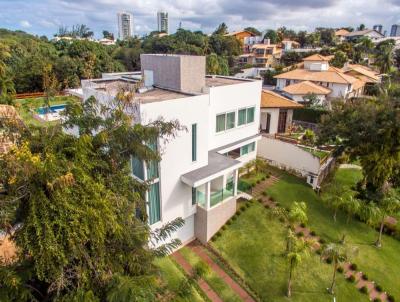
<point x="310" y="115"/>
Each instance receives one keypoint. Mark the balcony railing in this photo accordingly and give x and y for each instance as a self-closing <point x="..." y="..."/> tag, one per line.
<point x="219" y="196"/>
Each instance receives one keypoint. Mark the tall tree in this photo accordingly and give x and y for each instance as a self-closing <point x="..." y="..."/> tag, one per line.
<point x="50" y="85"/>
<point x="299" y="249"/>
<point x="384" y="57"/>
<point x="7" y="89"/>
<point x="338" y="253"/>
<point x="253" y="30"/>
<point x="351" y="206"/>
<point x="272" y="36"/>
<point x="222" y="29"/>
<point x="79" y="218"/>
<point x="339" y="59"/>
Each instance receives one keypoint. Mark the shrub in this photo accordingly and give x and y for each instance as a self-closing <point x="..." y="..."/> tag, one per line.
<point x="276" y="203"/>
<point x="364" y="277"/>
<point x="329" y="260"/>
<point x="260" y="200"/>
<point x="271" y="198"/>
<point x="229" y="222"/>
<point x="340" y="269"/>
<point x="259" y="181"/>
<point x="377" y="299"/>
<point x="312" y="233"/>
<point x="266" y="206"/>
<point x="300" y="234"/>
<point x="351" y="278"/>
<point x="391" y="298"/>
<point x="319" y="251"/>
<point x="200" y="269"/>
<point x="364" y="289"/>
<point x="263" y="178"/>
<point x="322" y="241"/>
<point x="223" y="227"/>
<point x="303" y="225"/>
<point x="353" y="266"/>
<point x="281" y="219"/>
<point x="378" y="288"/>
<point x="248" y="204"/>
<point x="264" y="193"/>
<point x="185" y="288"/>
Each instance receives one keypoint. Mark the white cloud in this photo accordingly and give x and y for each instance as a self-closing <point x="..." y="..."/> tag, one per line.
<point x="25" y="24"/>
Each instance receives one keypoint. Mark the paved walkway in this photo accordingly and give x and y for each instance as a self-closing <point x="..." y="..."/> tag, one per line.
<point x="350" y="166"/>
<point x="260" y="188"/>
<point x="210" y="293"/>
<point x="201" y="252"/>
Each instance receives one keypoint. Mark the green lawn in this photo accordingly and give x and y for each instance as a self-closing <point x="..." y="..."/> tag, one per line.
<point x="381" y="265"/>
<point x="27" y="106"/>
<point x="250" y="179"/>
<point x="254" y="245"/>
<point x="173" y="277"/>
<point x="216" y="283"/>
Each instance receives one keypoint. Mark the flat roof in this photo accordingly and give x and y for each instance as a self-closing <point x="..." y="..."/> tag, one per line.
<point x="217" y="164"/>
<point x="215" y="81"/>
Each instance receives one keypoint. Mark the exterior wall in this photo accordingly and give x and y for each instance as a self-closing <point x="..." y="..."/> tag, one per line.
<point x="176" y="197"/>
<point x="232" y="98"/>
<point x="288" y="155"/>
<point x="183" y="73"/>
<point x="273" y="126"/>
<point x="300" y="98"/>
<point x="316" y="65"/>
<point x="207" y="223"/>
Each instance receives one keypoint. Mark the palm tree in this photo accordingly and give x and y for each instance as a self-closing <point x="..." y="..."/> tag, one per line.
<point x="338" y="253"/>
<point x="388" y="206"/>
<point x="384" y="58"/>
<point x="335" y="199"/>
<point x="299" y="248"/>
<point x="4" y="55"/>
<point x="7" y="90"/>
<point x="365" y="45"/>
<point x="351" y="205"/>
<point x="295" y="215"/>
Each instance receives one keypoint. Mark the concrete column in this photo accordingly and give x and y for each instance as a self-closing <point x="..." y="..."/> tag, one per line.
<point x="208" y="195"/>
<point x="235" y="181"/>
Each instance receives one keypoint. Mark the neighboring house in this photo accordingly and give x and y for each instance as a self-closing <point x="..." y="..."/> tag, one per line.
<point x="106" y="41"/>
<point x="300" y="92"/>
<point x="197" y="176"/>
<point x="395" y="39"/>
<point x="316" y="69"/>
<point x="341" y="34"/>
<point x="280" y="149"/>
<point x="241" y="35"/>
<point x="362" y="72"/>
<point x="289" y="45"/>
<point x="262" y="55"/>
<point x="276" y="112"/>
<point x="369" y="33"/>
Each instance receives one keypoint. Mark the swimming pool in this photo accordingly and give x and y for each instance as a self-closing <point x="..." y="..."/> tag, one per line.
<point x="52" y="109"/>
<point x="51" y="113"/>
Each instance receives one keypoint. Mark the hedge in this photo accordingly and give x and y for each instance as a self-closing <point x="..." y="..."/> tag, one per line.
<point x="309" y="115"/>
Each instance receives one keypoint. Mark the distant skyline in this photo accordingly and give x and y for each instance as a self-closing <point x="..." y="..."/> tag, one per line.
<point x="44" y="17"/>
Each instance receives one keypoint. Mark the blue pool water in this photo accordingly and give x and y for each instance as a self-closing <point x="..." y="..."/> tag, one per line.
<point x="52" y="109"/>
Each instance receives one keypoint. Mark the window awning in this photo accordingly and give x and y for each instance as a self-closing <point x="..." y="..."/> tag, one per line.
<point x="218" y="165"/>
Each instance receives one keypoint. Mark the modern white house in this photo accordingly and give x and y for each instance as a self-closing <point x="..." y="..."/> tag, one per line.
<point x="197" y="176"/>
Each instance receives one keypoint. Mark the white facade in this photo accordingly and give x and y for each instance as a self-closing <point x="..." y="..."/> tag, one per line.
<point x="338" y="89"/>
<point x="125" y="25"/>
<point x="180" y="176"/>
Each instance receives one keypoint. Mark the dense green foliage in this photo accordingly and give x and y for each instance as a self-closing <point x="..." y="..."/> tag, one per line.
<point x="74" y="60"/>
<point x="311" y="115"/>
<point x="75" y="213"/>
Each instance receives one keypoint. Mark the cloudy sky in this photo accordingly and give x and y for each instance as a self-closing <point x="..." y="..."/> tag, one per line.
<point x="46" y="16"/>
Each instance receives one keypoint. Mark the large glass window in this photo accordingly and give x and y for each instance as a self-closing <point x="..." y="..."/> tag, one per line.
<point x="137" y="168"/>
<point x="152" y="166"/>
<point x="242" y="117"/>
<point x="250" y="115"/>
<point x="154" y="203"/>
<point x="247" y="148"/>
<point x="194" y="142"/>
<point x="220" y="122"/>
<point x="230" y="120"/>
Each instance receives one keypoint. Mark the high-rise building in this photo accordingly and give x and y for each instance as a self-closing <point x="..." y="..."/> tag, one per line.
<point x="162" y="22"/>
<point x="395" y="31"/>
<point x="378" y="28"/>
<point x="125" y="25"/>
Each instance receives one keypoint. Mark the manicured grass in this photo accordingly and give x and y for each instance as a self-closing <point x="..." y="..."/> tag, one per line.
<point x="254" y="245"/>
<point x="26" y="106"/>
<point x="250" y="179"/>
<point x="216" y="283"/>
<point x="173" y="277"/>
<point x="321" y="154"/>
<point x="381" y="265"/>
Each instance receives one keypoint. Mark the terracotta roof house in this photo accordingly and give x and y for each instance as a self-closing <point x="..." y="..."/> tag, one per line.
<point x="241" y="35"/>
<point x="317" y="71"/>
<point x="300" y="91"/>
<point x="262" y="55"/>
<point x="276" y="112"/>
<point x="279" y="145"/>
<point x="362" y="73"/>
<point x="340" y="34"/>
